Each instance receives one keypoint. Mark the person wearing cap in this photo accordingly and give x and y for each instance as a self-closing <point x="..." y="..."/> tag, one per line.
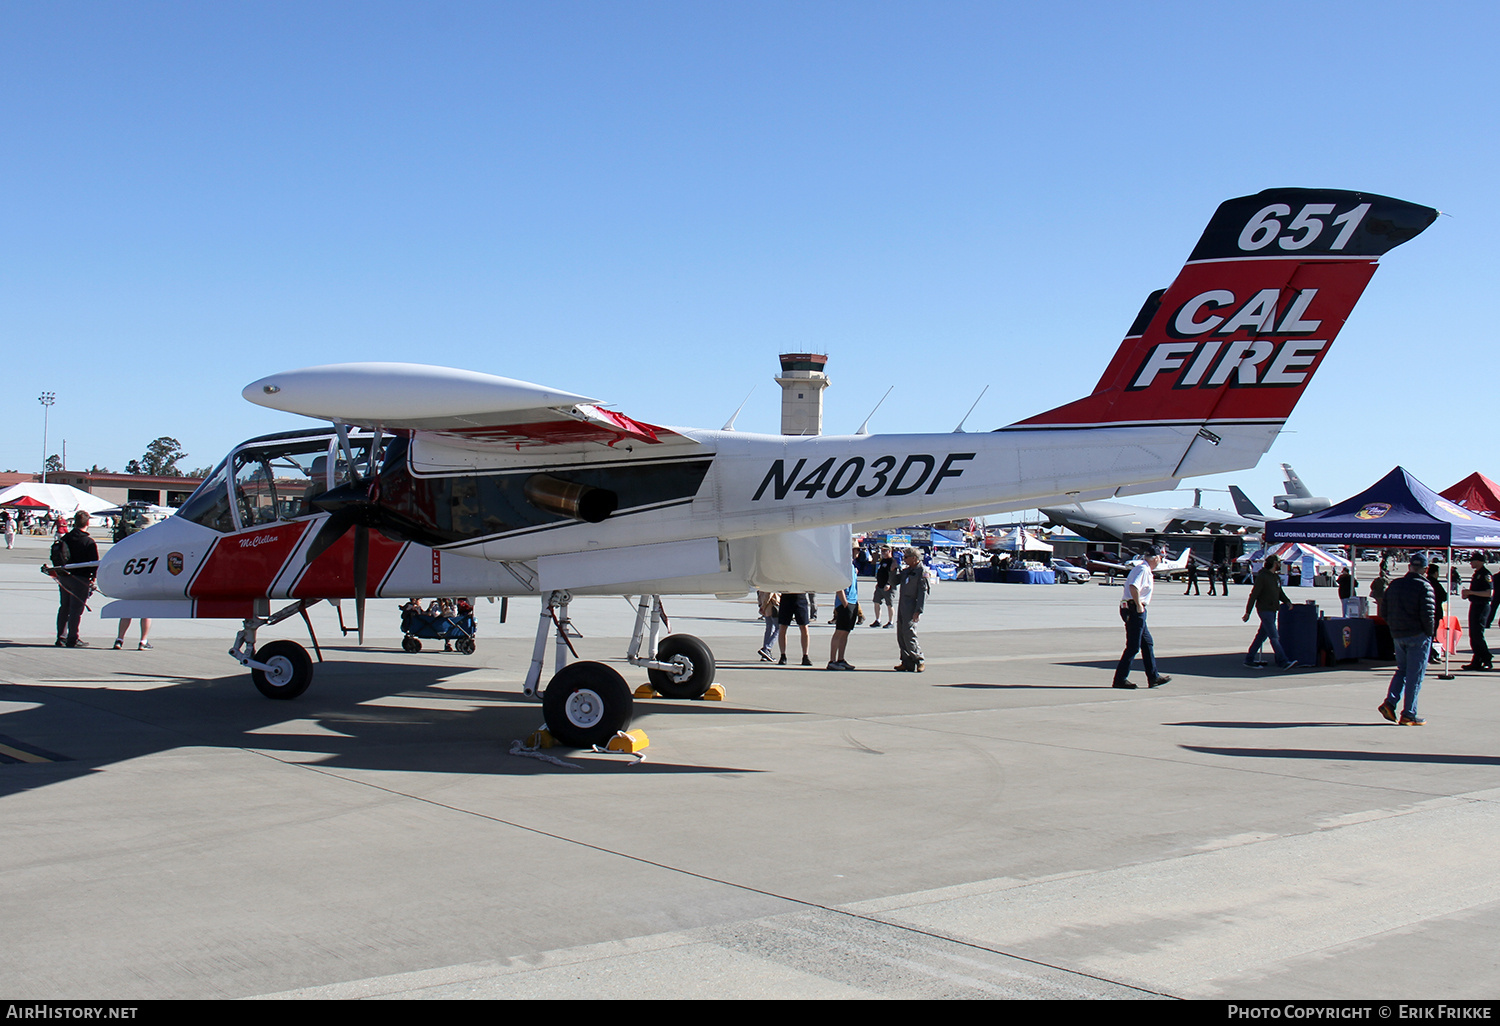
<point x="1138" y="587"/>
<point x="1410" y="611"/>
<point x="1267" y="598"/>
<point x="1479" y="593"/>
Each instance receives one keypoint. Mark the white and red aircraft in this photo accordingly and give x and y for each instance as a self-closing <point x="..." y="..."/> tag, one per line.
<point x="439" y="482"/>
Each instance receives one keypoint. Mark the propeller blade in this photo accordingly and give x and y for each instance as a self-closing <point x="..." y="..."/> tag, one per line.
<point x="332" y="530"/>
<point x="361" y="568"/>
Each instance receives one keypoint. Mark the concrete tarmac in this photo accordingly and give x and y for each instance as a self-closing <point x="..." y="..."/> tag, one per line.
<point x="1002" y="825"/>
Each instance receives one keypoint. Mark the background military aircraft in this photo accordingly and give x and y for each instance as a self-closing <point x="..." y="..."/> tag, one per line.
<point x="1296" y="501"/>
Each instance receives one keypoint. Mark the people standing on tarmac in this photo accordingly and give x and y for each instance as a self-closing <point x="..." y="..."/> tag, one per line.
<point x="1192" y="581"/>
<point x="10" y="530"/>
<point x="1137" y="596"/>
<point x="1410" y="612"/>
<point x="885" y="568"/>
<point x="1377" y="589"/>
<point x="1213" y="577"/>
<point x="844" y="605"/>
<point x="1479" y="593"/>
<point x="766" y="602"/>
<point x="911" y="584"/>
<point x="793" y="606"/>
<point x="74" y="585"/>
<point x="1224" y="576"/>
<point x="1440" y="600"/>
<point x="145" y="642"/>
<point x="1267" y="598"/>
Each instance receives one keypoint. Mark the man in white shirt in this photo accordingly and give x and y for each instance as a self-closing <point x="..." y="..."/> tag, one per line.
<point x="1137" y="596"/>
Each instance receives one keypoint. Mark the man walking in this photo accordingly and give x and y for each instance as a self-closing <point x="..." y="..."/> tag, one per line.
<point x="1410" y="611"/>
<point x="1479" y="593"/>
<point x="1267" y="598"/>
<point x="1138" y="587"/>
<point x="910" y="583"/>
<point x="73" y="585"/>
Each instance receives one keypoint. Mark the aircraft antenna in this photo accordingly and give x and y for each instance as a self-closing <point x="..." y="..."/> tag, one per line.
<point x="864" y="429"/>
<point x="729" y="425"/>
<point x="960" y="429"/>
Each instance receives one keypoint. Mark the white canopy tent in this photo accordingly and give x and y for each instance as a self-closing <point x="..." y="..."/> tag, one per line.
<point x="1019" y="541"/>
<point x="58" y="497"/>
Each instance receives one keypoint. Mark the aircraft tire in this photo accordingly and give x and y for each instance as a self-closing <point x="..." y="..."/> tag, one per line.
<point x="410" y="644"/>
<point x="693" y="654"/>
<point x="586" y="704"/>
<point x="291" y="670"/>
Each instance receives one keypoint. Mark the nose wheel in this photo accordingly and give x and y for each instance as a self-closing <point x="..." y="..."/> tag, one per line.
<point x="288" y="669"/>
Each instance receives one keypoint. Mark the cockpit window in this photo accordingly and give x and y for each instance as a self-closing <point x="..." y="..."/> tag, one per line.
<point x="209" y="505"/>
<point x="261" y="484"/>
<point x="279" y="482"/>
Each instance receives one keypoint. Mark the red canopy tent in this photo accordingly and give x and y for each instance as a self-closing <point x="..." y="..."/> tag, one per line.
<point x="26" y="502"/>
<point x="1477" y="493"/>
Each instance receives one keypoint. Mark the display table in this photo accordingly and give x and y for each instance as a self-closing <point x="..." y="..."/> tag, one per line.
<point x="1298" y="627"/>
<point x="984" y="573"/>
<point x="1348" y="638"/>
<point x="1304" y="634"/>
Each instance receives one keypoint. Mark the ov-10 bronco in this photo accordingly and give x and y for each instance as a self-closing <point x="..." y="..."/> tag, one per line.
<point x="431" y="481"/>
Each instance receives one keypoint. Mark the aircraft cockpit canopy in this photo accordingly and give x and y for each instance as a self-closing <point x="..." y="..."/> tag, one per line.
<point x="274" y="478"/>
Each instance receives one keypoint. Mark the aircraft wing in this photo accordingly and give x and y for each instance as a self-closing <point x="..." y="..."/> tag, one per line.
<point x="1196" y="518"/>
<point x="456" y="408"/>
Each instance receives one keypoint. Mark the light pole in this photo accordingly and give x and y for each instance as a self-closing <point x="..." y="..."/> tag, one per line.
<point x="47" y="399"/>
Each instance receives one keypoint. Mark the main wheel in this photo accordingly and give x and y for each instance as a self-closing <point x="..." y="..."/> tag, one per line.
<point x="410" y="644"/>
<point x="695" y="667"/>
<point x="586" y="704"/>
<point x="290" y="670"/>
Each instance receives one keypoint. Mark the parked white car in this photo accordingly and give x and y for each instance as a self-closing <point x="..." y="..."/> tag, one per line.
<point x="1067" y="573"/>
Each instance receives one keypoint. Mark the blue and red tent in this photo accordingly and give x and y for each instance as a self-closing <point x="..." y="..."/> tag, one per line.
<point x="1398" y="511"/>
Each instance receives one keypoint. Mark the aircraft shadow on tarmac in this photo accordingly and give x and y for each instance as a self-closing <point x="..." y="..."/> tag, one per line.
<point x="366" y="715"/>
<point x="1270" y="724"/>
<point x="1225" y="666"/>
<point x="1346" y="755"/>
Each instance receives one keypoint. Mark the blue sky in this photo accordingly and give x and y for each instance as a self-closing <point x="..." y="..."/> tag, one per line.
<point x="646" y="202"/>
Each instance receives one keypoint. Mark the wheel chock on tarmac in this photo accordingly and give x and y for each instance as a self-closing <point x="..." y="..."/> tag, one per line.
<point x="627" y="742"/>
<point x="715" y="693"/>
<point x="541" y="738"/>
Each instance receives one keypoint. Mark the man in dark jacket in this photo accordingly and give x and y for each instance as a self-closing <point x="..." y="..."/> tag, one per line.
<point x="1267" y="598"/>
<point x="1410" y="611"/>
<point x="74" y="585"/>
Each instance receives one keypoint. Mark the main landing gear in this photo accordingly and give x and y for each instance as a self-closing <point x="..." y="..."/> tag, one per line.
<point x="586" y="703"/>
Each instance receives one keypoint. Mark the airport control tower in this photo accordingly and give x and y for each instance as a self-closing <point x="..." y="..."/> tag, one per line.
<point x="802" y="382"/>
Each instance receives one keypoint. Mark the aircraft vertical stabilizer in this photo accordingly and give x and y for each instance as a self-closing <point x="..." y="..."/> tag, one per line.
<point x="1230" y="345"/>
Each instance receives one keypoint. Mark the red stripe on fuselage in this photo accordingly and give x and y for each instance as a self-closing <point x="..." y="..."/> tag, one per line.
<point x="245" y="565"/>
<point x="332" y="574"/>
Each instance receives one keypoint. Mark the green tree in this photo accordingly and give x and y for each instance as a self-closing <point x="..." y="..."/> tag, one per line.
<point x="54" y="464"/>
<point x="160" y="459"/>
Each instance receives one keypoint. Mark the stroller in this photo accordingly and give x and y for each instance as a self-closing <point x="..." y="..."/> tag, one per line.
<point x="457" y="627"/>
